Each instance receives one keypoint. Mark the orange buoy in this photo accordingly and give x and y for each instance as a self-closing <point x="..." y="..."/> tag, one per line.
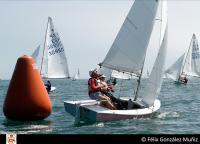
<point x="27" y="98"/>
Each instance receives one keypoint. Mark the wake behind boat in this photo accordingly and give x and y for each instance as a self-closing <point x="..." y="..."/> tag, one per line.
<point x="127" y="54"/>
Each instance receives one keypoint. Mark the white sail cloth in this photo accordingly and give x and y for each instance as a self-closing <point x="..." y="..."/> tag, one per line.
<point x="154" y="82"/>
<point x="128" y="51"/>
<point x="188" y="64"/>
<point x="54" y="60"/>
<point x="191" y="65"/>
<point x="174" y="71"/>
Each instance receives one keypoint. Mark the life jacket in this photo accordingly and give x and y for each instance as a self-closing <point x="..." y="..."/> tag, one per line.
<point x="93" y="89"/>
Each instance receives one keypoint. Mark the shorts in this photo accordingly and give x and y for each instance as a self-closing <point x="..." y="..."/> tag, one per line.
<point x="95" y="96"/>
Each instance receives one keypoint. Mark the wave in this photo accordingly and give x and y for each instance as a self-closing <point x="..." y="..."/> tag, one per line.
<point x="168" y="115"/>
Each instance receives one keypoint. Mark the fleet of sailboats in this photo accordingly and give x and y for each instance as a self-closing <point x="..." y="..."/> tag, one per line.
<point x="125" y="60"/>
<point x="187" y="65"/>
<point x="127" y="54"/>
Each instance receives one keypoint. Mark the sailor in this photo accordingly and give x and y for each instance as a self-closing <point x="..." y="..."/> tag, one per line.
<point x="48" y="86"/>
<point x="185" y="80"/>
<point x="109" y="88"/>
<point x="119" y="104"/>
<point x="94" y="89"/>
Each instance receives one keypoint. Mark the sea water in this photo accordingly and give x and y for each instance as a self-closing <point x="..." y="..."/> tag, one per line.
<point x="179" y="112"/>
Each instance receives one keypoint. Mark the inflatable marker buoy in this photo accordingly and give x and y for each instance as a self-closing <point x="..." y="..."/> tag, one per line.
<point x="27" y="98"/>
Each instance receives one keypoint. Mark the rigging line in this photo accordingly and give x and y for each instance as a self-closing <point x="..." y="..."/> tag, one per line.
<point x="139" y="81"/>
<point x="120" y="84"/>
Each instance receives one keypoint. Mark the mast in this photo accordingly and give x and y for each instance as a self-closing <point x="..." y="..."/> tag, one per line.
<point x="44" y="47"/>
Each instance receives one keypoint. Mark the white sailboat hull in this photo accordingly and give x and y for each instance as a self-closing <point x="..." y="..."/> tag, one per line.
<point x="90" y="110"/>
<point x="53" y="89"/>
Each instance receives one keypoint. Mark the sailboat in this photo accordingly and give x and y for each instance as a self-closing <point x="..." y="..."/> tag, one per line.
<point x="76" y="76"/>
<point x="109" y="73"/>
<point x="53" y="62"/>
<point x="187" y="65"/>
<point x="127" y="54"/>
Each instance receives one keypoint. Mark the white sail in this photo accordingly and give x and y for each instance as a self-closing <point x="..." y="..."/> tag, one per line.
<point x="174" y="70"/>
<point x="154" y="82"/>
<point x="76" y="76"/>
<point x="54" y="62"/>
<point x="188" y="64"/>
<point x="128" y="51"/>
<point x="35" y="54"/>
<point x="191" y="64"/>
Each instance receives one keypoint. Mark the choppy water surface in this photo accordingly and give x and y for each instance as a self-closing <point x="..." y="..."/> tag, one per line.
<point x="179" y="112"/>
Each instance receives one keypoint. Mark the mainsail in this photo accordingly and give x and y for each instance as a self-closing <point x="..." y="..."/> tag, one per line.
<point x="54" y="62"/>
<point x="128" y="51"/>
<point x="191" y="65"/>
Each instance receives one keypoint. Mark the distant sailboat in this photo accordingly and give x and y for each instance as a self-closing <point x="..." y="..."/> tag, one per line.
<point x="127" y="54"/>
<point x="76" y="76"/>
<point x="109" y="73"/>
<point x="53" y="62"/>
<point x="187" y="65"/>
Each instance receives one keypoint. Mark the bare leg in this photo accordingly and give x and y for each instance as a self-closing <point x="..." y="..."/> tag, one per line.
<point x="108" y="102"/>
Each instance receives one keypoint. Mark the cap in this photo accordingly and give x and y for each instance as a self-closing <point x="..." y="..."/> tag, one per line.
<point x="91" y="71"/>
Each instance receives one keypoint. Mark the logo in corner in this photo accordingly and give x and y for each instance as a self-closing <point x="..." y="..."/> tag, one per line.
<point x="11" y="138"/>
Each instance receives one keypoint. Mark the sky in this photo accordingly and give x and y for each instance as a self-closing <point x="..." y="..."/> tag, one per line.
<point x="87" y="29"/>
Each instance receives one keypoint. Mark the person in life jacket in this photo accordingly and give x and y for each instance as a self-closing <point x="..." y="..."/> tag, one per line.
<point x="102" y="82"/>
<point x="95" y="89"/>
<point x="183" y="78"/>
<point x="48" y="86"/>
<point x="119" y="104"/>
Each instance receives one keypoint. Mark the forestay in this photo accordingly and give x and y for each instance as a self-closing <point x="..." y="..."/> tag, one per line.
<point x="128" y="51"/>
<point x="54" y="62"/>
